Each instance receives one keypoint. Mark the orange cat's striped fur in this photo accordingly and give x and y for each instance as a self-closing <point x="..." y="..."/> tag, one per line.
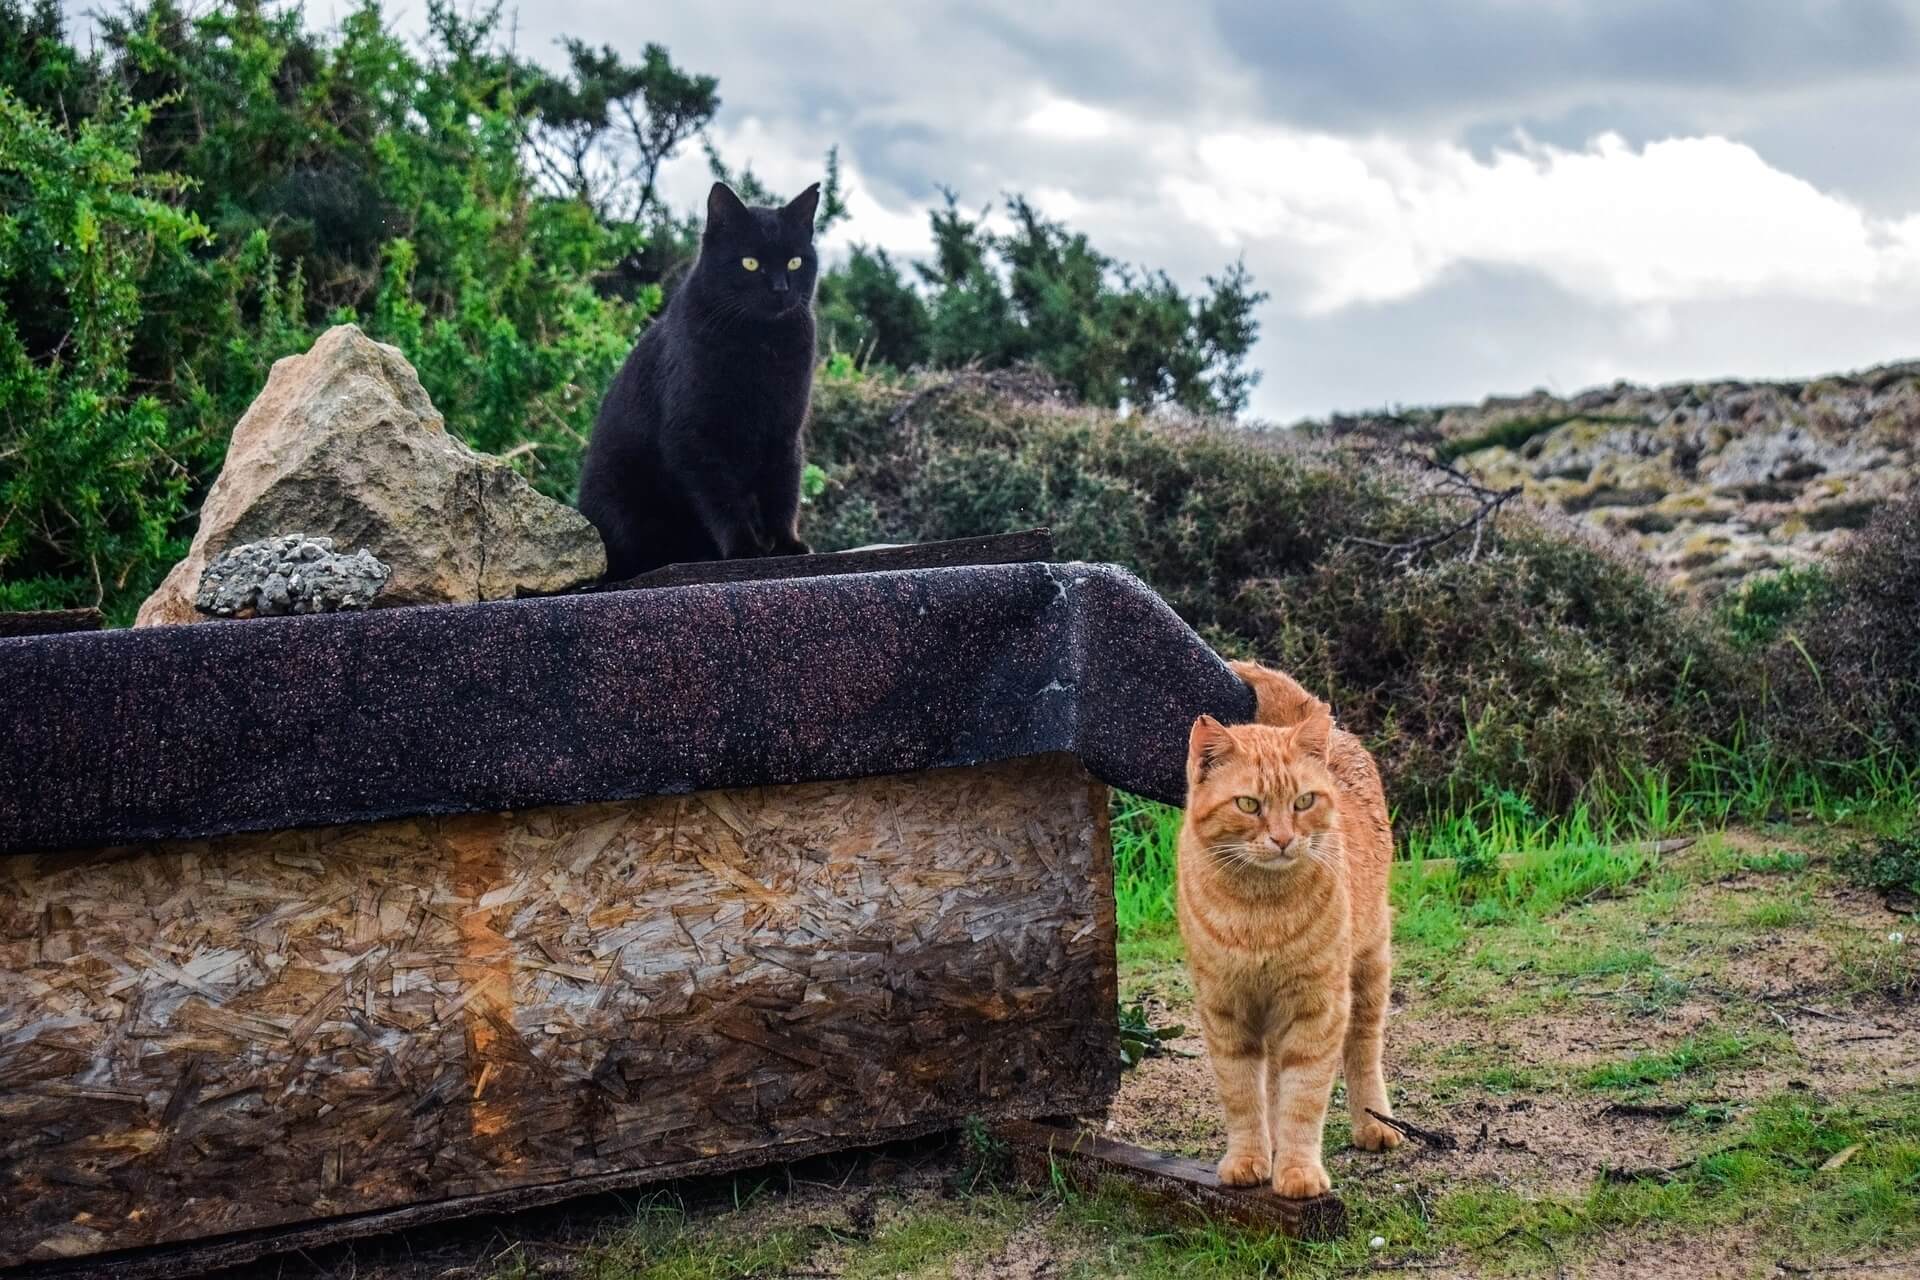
<point x="1283" y="906"/>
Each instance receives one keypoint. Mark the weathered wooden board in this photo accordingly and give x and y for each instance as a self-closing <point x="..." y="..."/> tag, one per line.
<point x="1023" y="547"/>
<point x="210" y="1037"/>
<point x="50" y="622"/>
<point x="1045" y="1152"/>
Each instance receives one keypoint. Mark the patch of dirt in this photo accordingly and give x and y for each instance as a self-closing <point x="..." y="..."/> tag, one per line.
<point x="1537" y="1141"/>
<point x="1726" y="1255"/>
<point x="1027" y="1255"/>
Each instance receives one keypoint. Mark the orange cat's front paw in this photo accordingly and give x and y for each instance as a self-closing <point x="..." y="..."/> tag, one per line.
<point x="1243" y="1169"/>
<point x="1301" y="1181"/>
<point x="1371" y="1135"/>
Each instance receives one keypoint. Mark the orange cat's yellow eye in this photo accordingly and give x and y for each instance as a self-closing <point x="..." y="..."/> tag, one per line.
<point x="1246" y="804"/>
<point x="1304" y="801"/>
<point x="793" y="264"/>
<point x="751" y="264"/>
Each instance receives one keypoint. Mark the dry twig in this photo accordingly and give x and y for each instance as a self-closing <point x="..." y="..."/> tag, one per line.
<point x="1454" y="483"/>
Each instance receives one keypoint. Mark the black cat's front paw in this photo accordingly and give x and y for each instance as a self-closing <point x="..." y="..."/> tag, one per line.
<point x="790" y="547"/>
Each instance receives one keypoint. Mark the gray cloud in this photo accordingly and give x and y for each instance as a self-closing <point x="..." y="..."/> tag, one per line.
<point x="1371" y="62"/>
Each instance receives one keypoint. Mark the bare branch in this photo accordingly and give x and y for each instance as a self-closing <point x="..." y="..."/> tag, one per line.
<point x="1455" y="483"/>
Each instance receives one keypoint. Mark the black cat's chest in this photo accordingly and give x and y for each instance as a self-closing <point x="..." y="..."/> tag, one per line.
<point x="755" y="387"/>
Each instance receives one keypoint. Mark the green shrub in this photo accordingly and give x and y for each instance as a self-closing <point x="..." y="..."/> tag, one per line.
<point x="1539" y="666"/>
<point x="95" y="464"/>
<point x="1755" y="613"/>
<point x="1845" y="679"/>
<point x="1889" y="864"/>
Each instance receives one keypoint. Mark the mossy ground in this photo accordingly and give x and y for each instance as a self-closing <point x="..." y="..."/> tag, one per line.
<point x="1705" y="1063"/>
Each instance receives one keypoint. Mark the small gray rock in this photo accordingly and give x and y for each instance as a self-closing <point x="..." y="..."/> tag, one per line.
<point x="289" y="574"/>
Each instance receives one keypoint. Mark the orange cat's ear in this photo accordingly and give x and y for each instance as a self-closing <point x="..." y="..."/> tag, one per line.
<point x="1207" y="745"/>
<point x="1315" y="732"/>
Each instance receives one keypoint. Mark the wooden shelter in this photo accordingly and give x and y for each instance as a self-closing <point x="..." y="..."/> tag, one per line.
<point x="314" y="927"/>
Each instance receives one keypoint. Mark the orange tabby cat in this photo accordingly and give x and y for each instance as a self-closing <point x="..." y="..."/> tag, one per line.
<point x="1283" y="906"/>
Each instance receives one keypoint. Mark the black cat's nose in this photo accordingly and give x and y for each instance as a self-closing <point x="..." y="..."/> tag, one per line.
<point x="780" y="284"/>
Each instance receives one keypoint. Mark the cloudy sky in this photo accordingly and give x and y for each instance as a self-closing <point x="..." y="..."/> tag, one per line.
<point x="1444" y="199"/>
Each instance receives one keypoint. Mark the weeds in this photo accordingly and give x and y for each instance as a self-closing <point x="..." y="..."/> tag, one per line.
<point x="1140" y="1039"/>
<point x="1888" y="865"/>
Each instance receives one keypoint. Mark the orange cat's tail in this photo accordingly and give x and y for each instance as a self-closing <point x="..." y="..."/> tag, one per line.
<point x="1279" y="699"/>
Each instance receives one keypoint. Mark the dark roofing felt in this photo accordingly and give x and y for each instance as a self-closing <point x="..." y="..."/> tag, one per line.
<point x="200" y="730"/>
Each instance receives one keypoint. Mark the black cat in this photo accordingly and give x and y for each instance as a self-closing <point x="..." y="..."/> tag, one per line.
<point x="697" y="452"/>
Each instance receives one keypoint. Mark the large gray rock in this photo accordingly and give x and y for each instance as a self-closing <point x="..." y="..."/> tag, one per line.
<point x="1714" y="482"/>
<point x="343" y="443"/>
<point x="294" y="574"/>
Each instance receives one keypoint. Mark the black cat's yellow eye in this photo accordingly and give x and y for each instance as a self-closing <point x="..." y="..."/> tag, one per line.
<point x="1304" y="801"/>
<point x="1246" y="804"/>
<point x="793" y="264"/>
<point x="751" y="264"/>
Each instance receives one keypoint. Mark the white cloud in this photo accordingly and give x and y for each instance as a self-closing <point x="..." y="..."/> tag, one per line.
<point x="1686" y="219"/>
<point x="1069" y="121"/>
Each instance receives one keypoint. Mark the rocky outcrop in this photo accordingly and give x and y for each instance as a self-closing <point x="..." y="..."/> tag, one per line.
<point x="344" y="444"/>
<point x="294" y="574"/>
<point x="1712" y="481"/>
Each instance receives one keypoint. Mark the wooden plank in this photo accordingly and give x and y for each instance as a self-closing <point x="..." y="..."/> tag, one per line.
<point x="345" y="1029"/>
<point x="50" y="622"/>
<point x="184" y="1261"/>
<point x="1001" y="548"/>
<point x="1042" y="1150"/>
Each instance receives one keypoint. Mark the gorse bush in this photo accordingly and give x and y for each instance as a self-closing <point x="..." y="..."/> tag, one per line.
<point x="1845" y="673"/>
<point x="1539" y="666"/>
<point x="96" y="460"/>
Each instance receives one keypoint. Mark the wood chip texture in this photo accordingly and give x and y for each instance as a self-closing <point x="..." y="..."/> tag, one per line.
<point x="199" y="1038"/>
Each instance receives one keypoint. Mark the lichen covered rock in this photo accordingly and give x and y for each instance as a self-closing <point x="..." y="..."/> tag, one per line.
<point x="1713" y="482"/>
<point x="291" y="574"/>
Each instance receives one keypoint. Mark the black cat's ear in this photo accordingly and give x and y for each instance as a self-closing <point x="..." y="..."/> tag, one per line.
<point x="800" y="210"/>
<point x="724" y="208"/>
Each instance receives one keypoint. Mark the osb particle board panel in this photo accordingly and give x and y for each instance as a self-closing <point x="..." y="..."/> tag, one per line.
<point x="210" y="1037"/>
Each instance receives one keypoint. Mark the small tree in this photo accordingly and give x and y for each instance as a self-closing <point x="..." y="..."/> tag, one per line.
<point x="1043" y="294"/>
<point x="602" y="130"/>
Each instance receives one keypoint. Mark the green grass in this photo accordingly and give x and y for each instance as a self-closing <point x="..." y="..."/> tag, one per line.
<point x="1776" y="863"/>
<point x="1495" y="1080"/>
<point x="928" y="1242"/>
<point x="1145" y="836"/>
<point x="1780" y="913"/>
<point x="1696" y="1056"/>
<point x="665" y="1243"/>
<point x="1491" y="857"/>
